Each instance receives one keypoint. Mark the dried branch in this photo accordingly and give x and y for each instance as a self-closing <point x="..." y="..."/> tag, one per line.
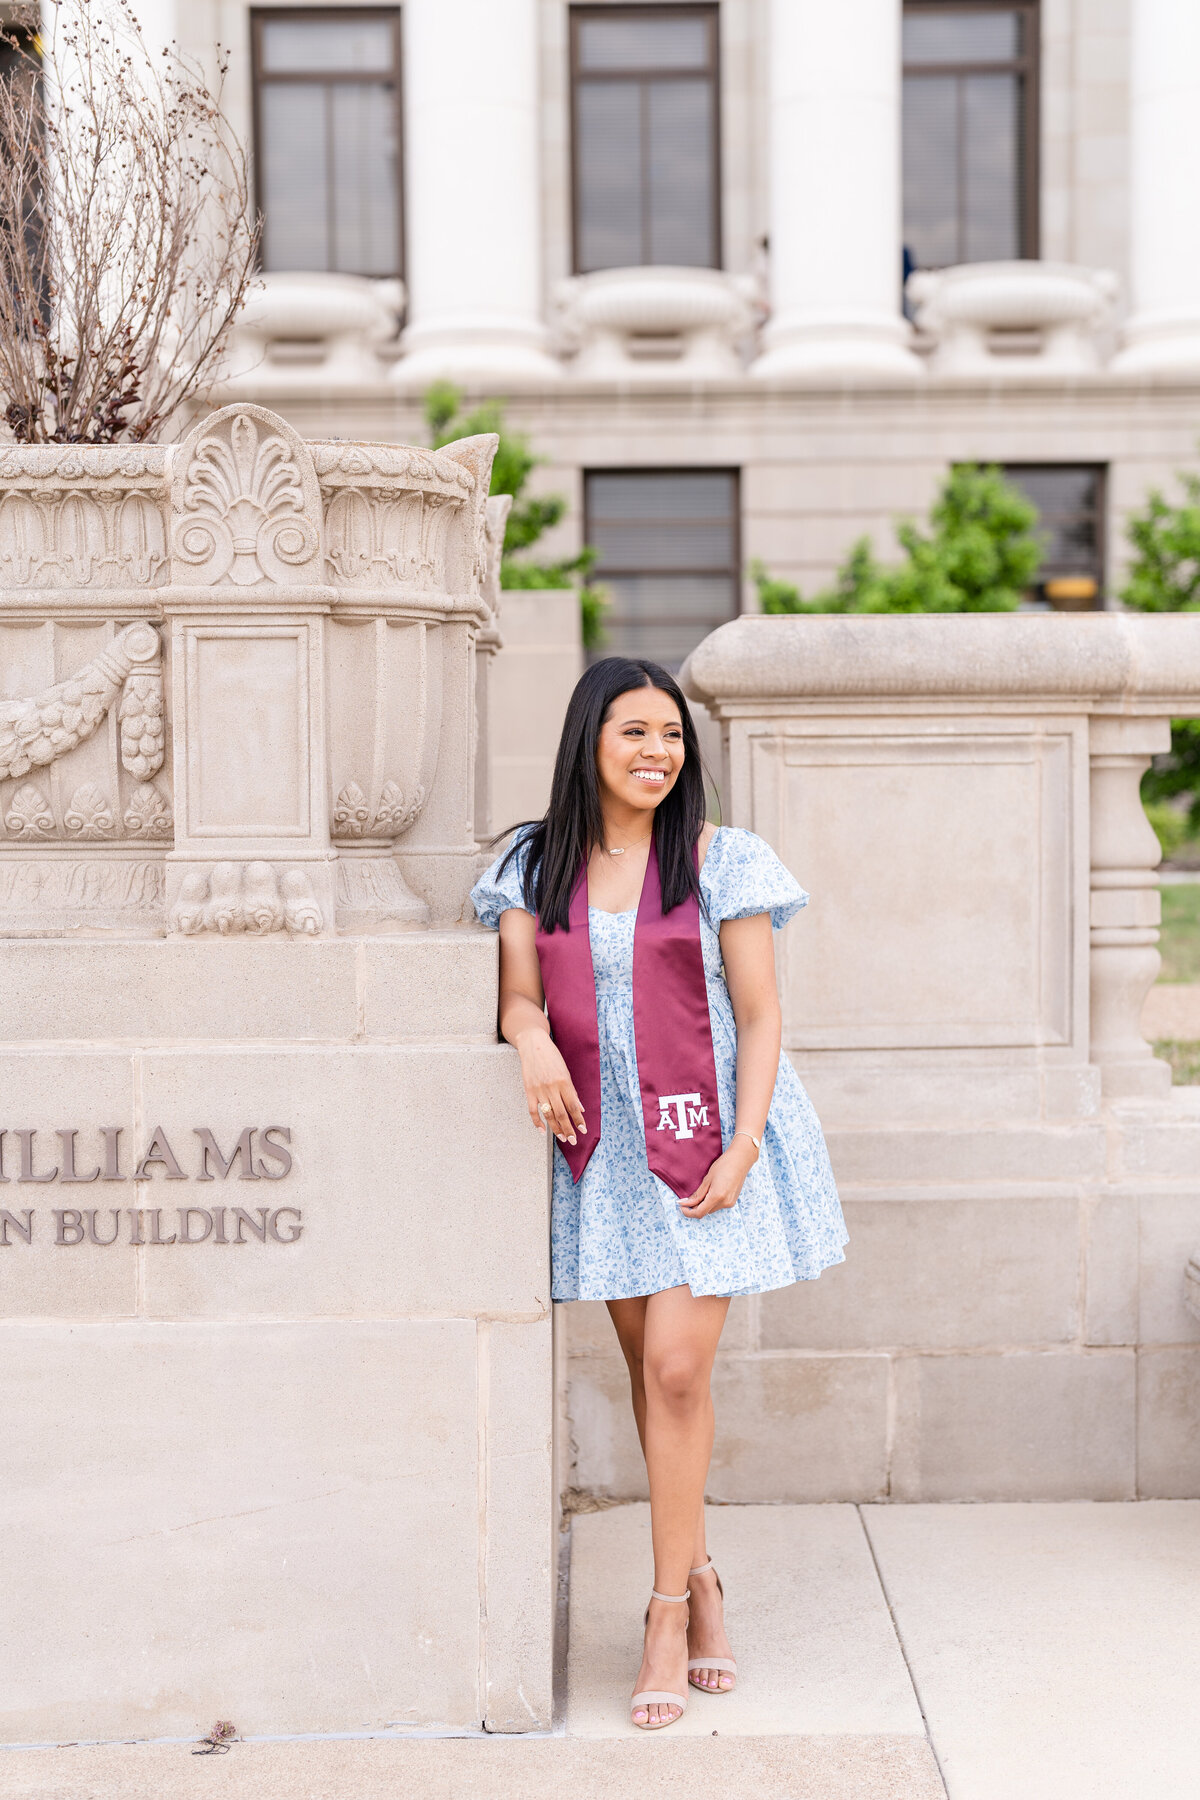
<point x="127" y="238"/>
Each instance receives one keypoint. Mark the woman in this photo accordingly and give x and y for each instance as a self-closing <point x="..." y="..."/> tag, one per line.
<point x="689" y="1164"/>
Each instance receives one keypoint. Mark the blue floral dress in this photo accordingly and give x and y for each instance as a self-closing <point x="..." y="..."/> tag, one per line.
<point x="619" y="1231"/>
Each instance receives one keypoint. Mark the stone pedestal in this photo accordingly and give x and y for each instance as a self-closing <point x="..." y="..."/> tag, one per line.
<point x="275" y="1346"/>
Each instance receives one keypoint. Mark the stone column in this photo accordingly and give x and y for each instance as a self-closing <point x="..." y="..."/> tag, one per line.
<point x="1164" y="329"/>
<point x="835" y="268"/>
<point x="474" y="255"/>
<point x="1125" y="907"/>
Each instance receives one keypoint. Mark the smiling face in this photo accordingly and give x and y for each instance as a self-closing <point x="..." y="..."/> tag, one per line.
<point x="640" y="751"/>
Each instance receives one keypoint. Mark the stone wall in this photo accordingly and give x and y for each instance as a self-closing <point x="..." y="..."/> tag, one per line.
<point x="275" y="1354"/>
<point x="961" y="998"/>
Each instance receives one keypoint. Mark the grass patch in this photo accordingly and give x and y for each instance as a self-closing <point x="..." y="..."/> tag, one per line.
<point x="1184" y="1059"/>
<point x="1179" y="944"/>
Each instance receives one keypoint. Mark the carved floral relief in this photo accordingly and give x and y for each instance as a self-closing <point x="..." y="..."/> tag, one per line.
<point x="353" y="817"/>
<point x="147" y="814"/>
<point x="245" y="498"/>
<point x="94" y="537"/>
<point x="89" y="815"/>
<point x="29" y="815"/>
<point x="376" y="537"/>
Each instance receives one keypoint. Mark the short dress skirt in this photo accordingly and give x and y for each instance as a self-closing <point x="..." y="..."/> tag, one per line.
<point x="619" y="1232"/>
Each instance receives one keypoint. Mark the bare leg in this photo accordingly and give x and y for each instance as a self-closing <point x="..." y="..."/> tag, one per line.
<point x="669" y="1341"/>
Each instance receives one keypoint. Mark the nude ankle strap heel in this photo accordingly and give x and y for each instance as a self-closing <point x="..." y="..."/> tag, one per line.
<point x="724" y="1665"/>
<point x="656" y="1696"/>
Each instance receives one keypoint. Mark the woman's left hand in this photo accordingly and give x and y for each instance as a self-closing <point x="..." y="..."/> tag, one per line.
<point x="723" y="1183"/>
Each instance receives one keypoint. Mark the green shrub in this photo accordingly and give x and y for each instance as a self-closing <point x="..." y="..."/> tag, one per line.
<point x="530" y="516"/>
<point x="980" y="555"/>
<point x="1170" y="825"/>
<point x="1164" y="576"/>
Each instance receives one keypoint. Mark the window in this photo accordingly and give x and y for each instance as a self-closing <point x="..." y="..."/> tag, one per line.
<point x="970" y="131"/>
<point x="668" y="543"/>
<point x="327" y="135"/>
<point x="1070" y="503"/>
<point x="644" y="136"/>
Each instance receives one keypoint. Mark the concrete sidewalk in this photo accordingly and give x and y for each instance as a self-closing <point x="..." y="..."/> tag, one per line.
<point x="986" y="1652"/>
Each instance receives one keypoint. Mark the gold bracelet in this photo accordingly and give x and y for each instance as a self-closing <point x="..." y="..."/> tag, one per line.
<point x="757" y="1142"/>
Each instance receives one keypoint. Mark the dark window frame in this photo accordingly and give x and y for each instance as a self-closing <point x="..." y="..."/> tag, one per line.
<point x="267" y="15"/>
<point x="734" y="569"/>
<point x="1013" y="470"/>
<point x="1027" y="66"/>
<point x="709" y="10"/>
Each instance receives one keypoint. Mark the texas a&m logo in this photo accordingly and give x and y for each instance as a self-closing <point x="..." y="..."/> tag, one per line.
<point x="688" y="1112"/>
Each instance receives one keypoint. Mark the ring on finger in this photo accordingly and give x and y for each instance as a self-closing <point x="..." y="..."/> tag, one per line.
<point x="545" y="1108"/>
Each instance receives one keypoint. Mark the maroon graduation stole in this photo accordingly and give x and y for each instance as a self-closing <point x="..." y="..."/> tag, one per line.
<point x="672" y="1031"/>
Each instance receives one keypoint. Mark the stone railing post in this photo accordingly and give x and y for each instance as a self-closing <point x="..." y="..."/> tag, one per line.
<point x="1125" y="903"/>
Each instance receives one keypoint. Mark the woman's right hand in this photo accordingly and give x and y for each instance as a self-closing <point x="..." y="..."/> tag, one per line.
<point x="548" y="1083"/>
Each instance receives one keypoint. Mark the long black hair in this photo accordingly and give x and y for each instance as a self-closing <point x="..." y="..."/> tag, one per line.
<point x="561" y="842"/>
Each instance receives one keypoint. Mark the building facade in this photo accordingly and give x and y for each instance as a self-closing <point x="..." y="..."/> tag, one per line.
<point x="752" y="274"/>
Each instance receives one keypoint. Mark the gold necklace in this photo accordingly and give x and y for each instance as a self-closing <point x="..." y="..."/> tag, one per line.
<point x="620" y="849"/>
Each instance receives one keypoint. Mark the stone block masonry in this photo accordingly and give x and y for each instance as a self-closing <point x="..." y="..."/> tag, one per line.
<point x="275" y="1334"/>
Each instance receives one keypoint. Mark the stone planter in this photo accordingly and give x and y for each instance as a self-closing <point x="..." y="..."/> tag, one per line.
<point x="239" y="674"/>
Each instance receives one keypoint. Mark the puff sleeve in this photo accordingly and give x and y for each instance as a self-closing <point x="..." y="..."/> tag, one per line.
<point x="495" y="893"/>
<point x="741" y="876"/>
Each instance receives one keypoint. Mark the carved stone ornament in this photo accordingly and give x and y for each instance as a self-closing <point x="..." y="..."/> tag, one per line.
<point x="143" y="731"/>
<point x="147" y="814"/>
<point x="41" y="896"/>
<point x="244" y="496"/>
<point x="89" y="814"/>
<point x="378" y="538"/>
<point x="246" y="897"/>
<point x="29" y="815"/>
<point x="352" y="816"/>
<point x="395" y="814"/>
<point x="39" y="730"/>
<point x="93" y="538"/>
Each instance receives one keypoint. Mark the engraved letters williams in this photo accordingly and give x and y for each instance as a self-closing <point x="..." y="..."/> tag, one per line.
<point x="259" y="1153"/>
